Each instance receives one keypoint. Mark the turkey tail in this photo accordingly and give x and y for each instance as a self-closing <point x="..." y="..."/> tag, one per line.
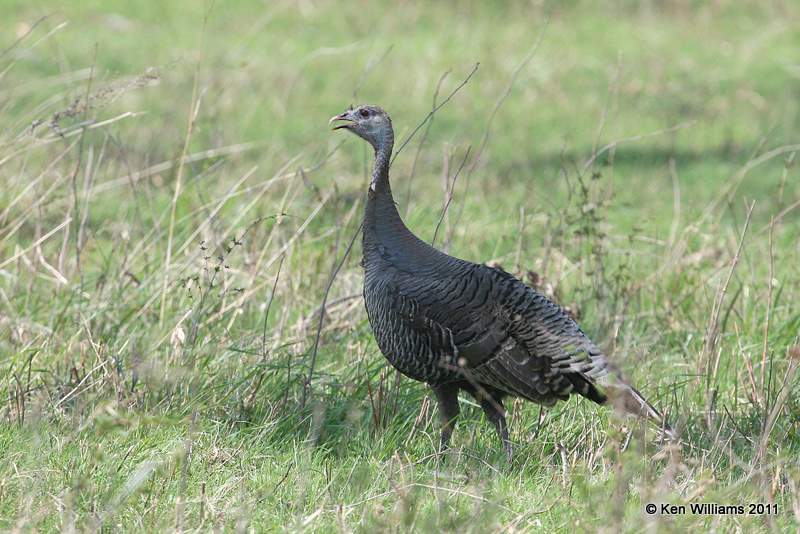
<point x="586" y="388"/>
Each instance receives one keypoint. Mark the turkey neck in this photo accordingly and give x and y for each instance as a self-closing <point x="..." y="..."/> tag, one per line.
<point x="382" y="223"/>
<point x="384" y="230"/>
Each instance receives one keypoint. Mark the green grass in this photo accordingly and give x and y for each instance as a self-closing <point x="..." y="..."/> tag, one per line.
<point x="131" y="403"/>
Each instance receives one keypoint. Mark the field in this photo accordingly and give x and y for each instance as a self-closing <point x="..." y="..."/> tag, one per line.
<point x="183" y="343"/>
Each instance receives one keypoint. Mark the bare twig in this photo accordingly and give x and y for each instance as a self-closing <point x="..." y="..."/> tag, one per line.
<point x="614" y="144"/>
<point x="314" y="350"/>
<point x="424" y="138"/>
<point x="780" y="402"/>
<point x="498" y="104"/>
<point x="269" y="306"/>
<point x="432" y="112"/>
<point x="450" y="195"/>
<point x="260" y="380"/>
<point x="24" y="36"/>
<point x="368" y="70"/>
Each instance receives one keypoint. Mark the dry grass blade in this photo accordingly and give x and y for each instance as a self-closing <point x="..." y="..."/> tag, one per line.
<point x="35" y="244"/>
<point x="194" y="111"/>
<point x="712" y="330"/>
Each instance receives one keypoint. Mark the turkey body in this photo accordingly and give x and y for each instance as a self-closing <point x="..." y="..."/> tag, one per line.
<point x="441" y="320"/>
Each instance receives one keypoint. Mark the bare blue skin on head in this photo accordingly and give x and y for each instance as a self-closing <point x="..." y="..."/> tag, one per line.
<point x="372" y="124"/>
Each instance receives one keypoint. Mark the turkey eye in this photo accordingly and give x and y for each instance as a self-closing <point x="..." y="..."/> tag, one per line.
<point x="364" y="113"/>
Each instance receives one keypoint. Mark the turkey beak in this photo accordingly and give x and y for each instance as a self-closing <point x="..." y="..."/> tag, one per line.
<point x="343" y="117"/>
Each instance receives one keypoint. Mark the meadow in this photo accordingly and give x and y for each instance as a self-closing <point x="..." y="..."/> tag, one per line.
<point x="183" y="344"/>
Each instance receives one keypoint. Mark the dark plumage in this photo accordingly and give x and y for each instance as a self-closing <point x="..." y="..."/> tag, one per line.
<point x="458" y="325"/>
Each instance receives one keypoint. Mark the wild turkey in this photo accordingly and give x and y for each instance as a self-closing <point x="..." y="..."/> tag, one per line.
<point x="457" y="325"/>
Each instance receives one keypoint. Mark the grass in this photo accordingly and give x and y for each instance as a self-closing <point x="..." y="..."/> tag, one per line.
<point x="173" y="205"/>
